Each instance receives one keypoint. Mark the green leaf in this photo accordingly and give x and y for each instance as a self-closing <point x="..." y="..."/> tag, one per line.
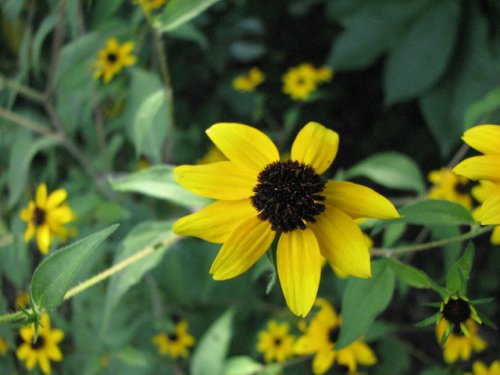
<point x="178" y="12"/>
<point x="56" y="274"/>
<point x="410" y="275"/>
<point x="431" y="320"/>
<point x="456" y="281"/>
<point x="373" y="294"/>
<point x="390" y="169"/>
<point x="422" y="57"/>
<point x="436" y="212"/>
<point x="479" y="111"/>
<point x="242" y="365"/>
<point x="158" y="182"/>
<point x="209" y="356"/>
<point x="143" y="123"/>
<point x="46" y="26"/>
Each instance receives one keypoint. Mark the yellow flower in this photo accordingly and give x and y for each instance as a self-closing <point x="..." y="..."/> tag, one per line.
<point x="248" y="82"/>
<point x="22" y="299"/>
<point x="485" y="139"/>
<point x="149" y="5"/>
<point x="480" y="193"/>
<point x="175" y="344"/>
<point x="44" y="350"/>
<point x="447" y="185"/>
<point x="113" y="58"/>
<point x="46" y="217"/>
<point x="4" y="346"/>
<point x="320" y="337"/>
<point x="260" y="198"/>
<point x="300" y="82"/>
<point x="456" y="311"/>
<point x="276" y="342"/>
<point x="479" y="368"/>
<point x="458" y="345"/>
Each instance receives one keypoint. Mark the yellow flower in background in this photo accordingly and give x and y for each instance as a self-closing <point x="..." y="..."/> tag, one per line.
<point x="459" y="346"/>
<point x="44" y="350"/>
<point x="211" y="156"/>
<point x="450" y="186"/>
<point x="480" y="193"/>
<point x="113" y="58"/>
<point x="276" y="342"/>
<point x="479" y="368"/>
<point x="249" y="81"/>
<point x="22" y="299"/>
<point x="320" y="338"/>
<point x="149" y="5"/>
<point x="4" y="347"/>
<point x="301" y="81"/>
<point x="485" y="139"/>
<point x="260" y="198"/>
<point x="47" y="216"/>
<point x="175" y="344"/>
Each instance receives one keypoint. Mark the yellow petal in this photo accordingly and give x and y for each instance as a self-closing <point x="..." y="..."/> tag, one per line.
<point x="43" y="238"/>
<point x="30" y="232"/>
<point x="54" y="353"/>
<point x="127" y="47"/>
<point x="495" y="236"/>
<point x="342" y="243"/>
<point x="43" y="360"/>
<point x="248" y="242"/>
<point x="479" y="368"/>
<point x="41" y="195"/>
<point x="56" y="335"/>
<point x="345" y="357"/>
<point x="316" y="145"/>
<point x="323" y="360"/>
<point x="27" y="213"/>
<point x="363" y="353"/>
<point x="223" y="180"/>
<point x="358" y="201"/>
<point x="484" y="138"/>
<point x="56" y="198"/>
<point x="60" y="215"/>
<point x="215" y="222"/>
<point x="485" y="167"/>
<point x="23" y="351"/>
<point x="299" y="269"/>
<point x="489" y="213"/>
<point x="244" y="145"/>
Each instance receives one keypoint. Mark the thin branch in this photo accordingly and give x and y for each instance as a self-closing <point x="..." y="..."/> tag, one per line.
<point x="57" y="43"/>
<point x="24" y="90"/>
<point x="29" y="124"/>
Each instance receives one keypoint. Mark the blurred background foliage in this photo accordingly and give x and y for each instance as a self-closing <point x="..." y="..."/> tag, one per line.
<point x="409" y="78"/>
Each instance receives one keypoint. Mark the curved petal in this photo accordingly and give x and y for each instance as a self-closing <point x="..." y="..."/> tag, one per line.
<point x="27" y="213"/>
<point x="345" y="357"/>
<point x="248" y="242"/>
<point x="484" y="138"/>
<point x="216" y="221"/>
<point x="299" y="269"/>
<point x="44" y="363"/>
<point x="485" y="167"/>
<point x="489" y="212"/>
<point x="56" y="198"/>
<point x="316" y="145"/>
<point x="60" y="215"/>
<point x="342" y="243"/>
<point x="363" y="353"/>
<point x="43" y="238"/>
<point x="495" y="236"/>
<point x="223" y="180"/>
<point x="358" y="201"/>
<point x="244" y="145"/>
<point x="54" y="353"/>
<point x="323" y="360"/>
<point x="30" y="232"/>
<point x="41" y="195"/>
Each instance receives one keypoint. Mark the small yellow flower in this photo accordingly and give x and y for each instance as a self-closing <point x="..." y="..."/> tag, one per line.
<point x="22" y="299"/>
<point x="479" y="368"/>
<point x="4" y="347"/>
<point x="481" y="192"/>
<point x="175" y="344"/>
<point x="248" y="82"/>
<point x="485" y="139"/>
<point x="261" y="198"/>
<point x="47" y="216"/>
<point x="276" y="342"/>
<point x="447" y="185"/>
<point x="149" y="5"/>
<point x="300" y="82"/>
<point x="456" y="311"/>
<point x="44" y="350"/>
<point x="113" y="58"/>
<point x="320" y="338"/>
<point x="458" y="345"/>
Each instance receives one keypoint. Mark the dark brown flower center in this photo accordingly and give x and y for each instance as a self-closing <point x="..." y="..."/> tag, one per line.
<point x="38" y="216"/>
<point x="112" y="57"/>
<point x="288" y="195"/>
<point x="173" y="336"/>
<point x="462" y="187"/>
<point x="277" y="341"/>
<point x="456" y="311"/>
<point x="333" y="334"/>
<point x="40" y="342"/>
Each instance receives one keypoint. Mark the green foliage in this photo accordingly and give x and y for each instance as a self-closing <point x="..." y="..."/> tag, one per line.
<point x="456" y="282"/>
<point x="178" y="12"/>
<point x="434" y="211"/>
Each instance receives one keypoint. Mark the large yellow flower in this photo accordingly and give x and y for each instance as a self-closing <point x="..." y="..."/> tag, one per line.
<point x="485" y="139"/>
<point x="261" y="197"/>
<point x="248" y="82"/>
<point x="480" y="368"/>
<point x="46" y="217"/>
<point x="481" y="192"/>
<point x="175" y="344"/>
<point x="276" y="342"/>
<point x="458" y="345"/>
<point x="447" y="185"/>
<point x="113" y="58"/>
<point x="44" y="350"/>
<point x="320" y="337"/>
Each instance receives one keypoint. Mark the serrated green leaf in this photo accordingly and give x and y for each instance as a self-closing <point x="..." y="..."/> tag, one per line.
<point x="178" y="12"/>
<point x="144" y="118"/>
<point x="56" y="274"/>
<point x="158" y="182"/>
<point x="456" y="281"/>
<point x="390" y="169"/>
<point x="210" y="354"/>
<point x="373" y="294"/>
<point x="436" y="212"/>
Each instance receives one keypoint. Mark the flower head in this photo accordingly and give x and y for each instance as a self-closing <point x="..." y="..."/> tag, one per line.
<point x="456" y="311"/>
<point x="447" y="185"/>
<point x="44" y="350"/>
<point x="175" y="344"/>
<point x="479" y="368"/>
<point x="113" y="58"/>
<point x="4" y="346"/>
<point x="149" y="5"/>
<point x="485" y="139"/>
<point x="47" y="216"/>
<point x="320" y="338"/>
<point x="458" y="345"/>
<point x="276" y="342"/>
<point x="261" y="198"/>
<point x="248" y="82"/>
<point x="301" y="81"/>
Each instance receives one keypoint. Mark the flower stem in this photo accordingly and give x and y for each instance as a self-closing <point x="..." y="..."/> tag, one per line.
<point x="474" y="232"/>
<point x="12" y="317"/>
